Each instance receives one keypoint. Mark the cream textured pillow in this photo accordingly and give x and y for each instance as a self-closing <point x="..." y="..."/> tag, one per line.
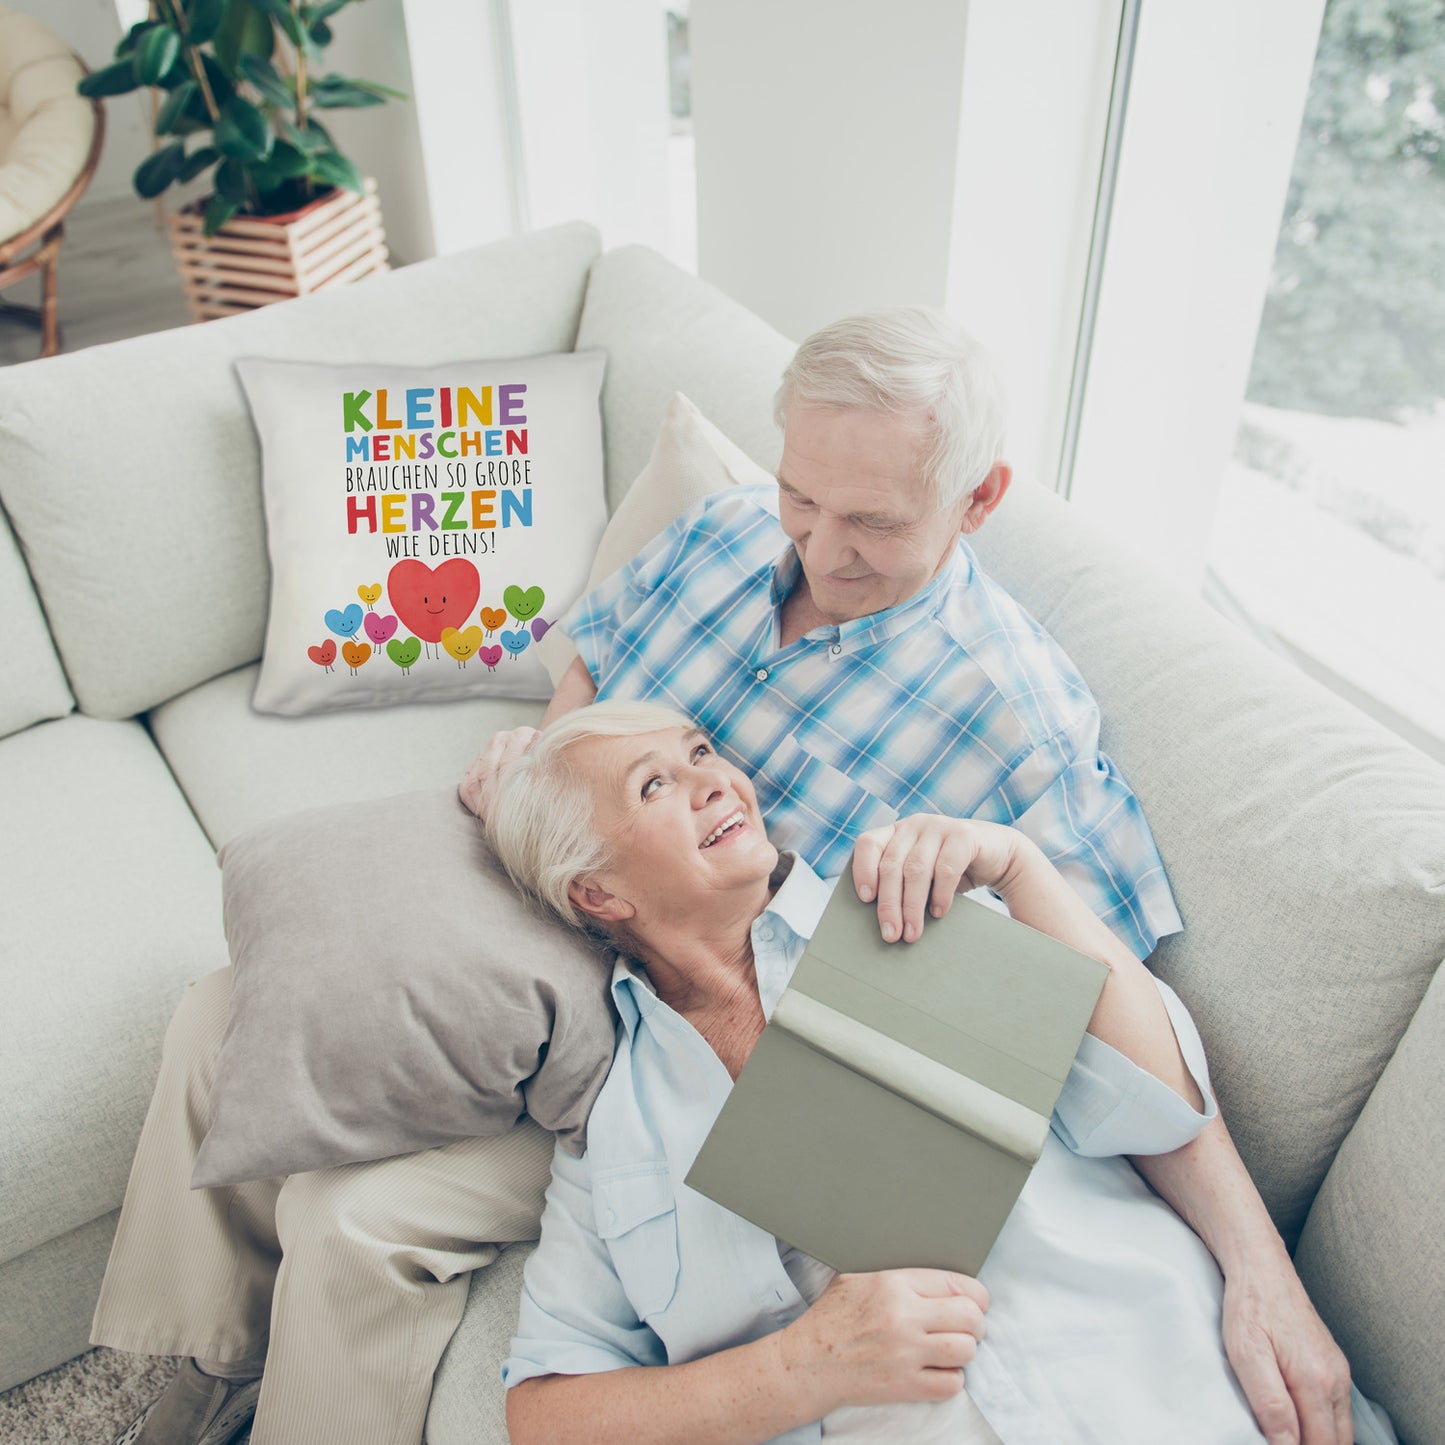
<point x="691" y="459"/>
<point x="425" y="524"/>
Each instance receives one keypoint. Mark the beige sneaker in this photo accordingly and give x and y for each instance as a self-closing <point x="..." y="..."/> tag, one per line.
<point x="194" y="1409"/>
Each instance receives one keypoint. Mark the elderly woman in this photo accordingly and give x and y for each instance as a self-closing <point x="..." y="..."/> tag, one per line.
<point x="654" y="1314"/>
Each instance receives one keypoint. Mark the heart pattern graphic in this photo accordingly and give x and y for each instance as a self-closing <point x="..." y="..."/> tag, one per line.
<point x="491" y="656"/>
<point x="516" y="642"/>
<point x="346" y="622"/>
<point x="325" y="655"/>
<point x="493" y="617"/>
<point x="403" y="654"/>
<point x="355" y="653"/>
<point x="369" y="592"/>
<point x="379" y="628"/>
<point x="429" y="600"/>
<point x="540" y="629"/>
<point x="461" y="645"/>
<point x="523" y="604"/>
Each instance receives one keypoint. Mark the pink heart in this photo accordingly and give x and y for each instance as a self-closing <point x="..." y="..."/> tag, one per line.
<point x="378" y="628"/>
<point x="490" y="655"/>
<point x="428" y="600"/>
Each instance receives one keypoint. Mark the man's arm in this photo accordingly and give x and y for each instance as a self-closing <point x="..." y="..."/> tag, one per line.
<point x="575" y="690"/>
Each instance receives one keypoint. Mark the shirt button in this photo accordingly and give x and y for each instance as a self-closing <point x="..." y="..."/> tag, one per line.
<point x="765" y="933"/>
<point x="761" y="674"/>
<point x="836" y="648"/>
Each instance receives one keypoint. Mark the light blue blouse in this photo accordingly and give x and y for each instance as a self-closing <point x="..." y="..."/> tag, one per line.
<point x="1105" y="1316"/>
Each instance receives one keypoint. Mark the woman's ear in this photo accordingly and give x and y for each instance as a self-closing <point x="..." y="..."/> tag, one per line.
<point x="596" y="902"/>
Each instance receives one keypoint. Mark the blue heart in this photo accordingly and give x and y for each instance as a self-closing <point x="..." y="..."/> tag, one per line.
<point x="516" y="642"/>
<point x="345" y="622"/>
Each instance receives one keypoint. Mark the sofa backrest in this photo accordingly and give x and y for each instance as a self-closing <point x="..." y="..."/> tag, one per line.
<point x="131" y="472"/>
<point x="32" y="682"/>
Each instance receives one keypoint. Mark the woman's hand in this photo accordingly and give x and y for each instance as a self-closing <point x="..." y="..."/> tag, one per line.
<point x="897" y="1335"/>
<point x="475" y="788"/>
<point x="918" y="864"/>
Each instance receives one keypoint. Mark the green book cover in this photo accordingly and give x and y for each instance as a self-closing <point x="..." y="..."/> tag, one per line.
<point x="901" y="1093"/>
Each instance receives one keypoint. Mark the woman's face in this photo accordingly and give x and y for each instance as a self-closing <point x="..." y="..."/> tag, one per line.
<point x="681" y="823"/>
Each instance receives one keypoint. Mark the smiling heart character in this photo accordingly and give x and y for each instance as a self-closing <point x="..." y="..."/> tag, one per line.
<point x="491" y="656"/>
<point x="403" y="654"/>
<point x="325" y="655"/>
<point x="369" y="592"/>
<point x="493" y="618"/>
<point x="355" y="653"/>
<point x="429" y="600"/>
<point x="523" y="605"/>
<point x="540" y="629"/>
<point x="345" y="623"/>
<point x="517" y="641"/>
<point x="379" y="628"/>
<point x="461" y="645"/>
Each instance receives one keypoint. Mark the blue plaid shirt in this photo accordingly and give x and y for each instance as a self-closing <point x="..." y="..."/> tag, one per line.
<point x="954" y="702"/>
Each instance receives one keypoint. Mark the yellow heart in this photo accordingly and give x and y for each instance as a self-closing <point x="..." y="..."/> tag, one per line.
<point x="369" y="594"/>
<point x="461" y="645"/>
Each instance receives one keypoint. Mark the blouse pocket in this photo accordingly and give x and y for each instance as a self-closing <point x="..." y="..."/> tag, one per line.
<point x="636" y="1213"/>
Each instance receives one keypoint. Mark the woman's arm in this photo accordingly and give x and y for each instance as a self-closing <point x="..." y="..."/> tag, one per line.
<point x="903" y="1334"/>
<point x="917" y="865"/>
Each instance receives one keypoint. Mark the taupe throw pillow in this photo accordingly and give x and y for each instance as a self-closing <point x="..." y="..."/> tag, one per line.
<point x="393" y="992"/>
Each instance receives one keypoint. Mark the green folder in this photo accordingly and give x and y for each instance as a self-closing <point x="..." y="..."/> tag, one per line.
<point x="898" y="1098"/>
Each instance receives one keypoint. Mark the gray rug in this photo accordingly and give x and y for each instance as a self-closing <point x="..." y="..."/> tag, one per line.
<point x="86" y="1402"/>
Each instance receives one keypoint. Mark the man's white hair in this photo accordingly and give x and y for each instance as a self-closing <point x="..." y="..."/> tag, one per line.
<point x="908" y="360"/>
<point x="542" y="820"/>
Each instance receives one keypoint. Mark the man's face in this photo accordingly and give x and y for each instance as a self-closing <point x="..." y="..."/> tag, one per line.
<point x="852" y="499"/>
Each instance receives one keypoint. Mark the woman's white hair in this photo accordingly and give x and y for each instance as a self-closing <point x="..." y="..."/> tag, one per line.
<point x="542" y="819"/>
<point x="908" y="360"/>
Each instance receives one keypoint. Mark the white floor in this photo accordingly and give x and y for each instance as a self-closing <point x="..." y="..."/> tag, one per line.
<point x="117" y="279"/>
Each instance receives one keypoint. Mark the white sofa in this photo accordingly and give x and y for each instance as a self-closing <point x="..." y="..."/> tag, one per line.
<point x="1306" y="846"/>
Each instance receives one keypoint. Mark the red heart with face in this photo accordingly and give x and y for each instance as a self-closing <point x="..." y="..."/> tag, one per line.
<point x="429" y="600"/>
<point x="324" y="655"/>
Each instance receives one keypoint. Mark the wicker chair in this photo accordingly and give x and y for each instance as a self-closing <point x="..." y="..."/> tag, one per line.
<point x="50" y="140"/>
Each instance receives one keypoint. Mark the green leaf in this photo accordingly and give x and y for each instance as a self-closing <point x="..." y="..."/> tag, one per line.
<point x="287" y="163"/>
<point x="244" y="31"/>
<point x="285" y="17"/>
<point x="324" y="11"/>
<point x="231" y="182"/>
<point x="278" y="89"/>
<point x="203" y="19"/>
<point x="335" y="92"/>
<point x="242" y="132"/>
<point x="117" y="79"/>
<point x="312" y="140"/>
<point x="197" y="161"/>
<point x="222" y="86"/>
<point x="157" y="171"/>
<point x="131" y="38"/>
<point x="379" y="89"/>
<point x="320" y="35"/>
<point x="157" y="52"/>
<point x="218" y="212"/>
<point x="333" y="168"/>
<point x="174" y="109"/>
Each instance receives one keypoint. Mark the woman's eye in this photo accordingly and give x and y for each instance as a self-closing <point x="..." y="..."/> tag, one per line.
<point x="701" y="750"/>
<point x="651" y="785"/>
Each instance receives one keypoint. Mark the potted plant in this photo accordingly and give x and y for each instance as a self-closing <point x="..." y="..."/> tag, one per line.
<point x="239" y="85"/>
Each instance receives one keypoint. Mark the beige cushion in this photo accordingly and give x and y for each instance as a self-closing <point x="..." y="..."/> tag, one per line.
<point x="392" y="993"/>
<point x="142" y="507"/>
<point x="691" y="459"/>
<point x="1302" y="841"/>
<point x="1373" y="1250"/>
<point x="110" y="906"/>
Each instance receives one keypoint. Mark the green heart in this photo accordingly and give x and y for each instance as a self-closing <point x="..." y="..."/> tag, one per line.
<point x="403" y="654"/>
<point x="523" y="605"/>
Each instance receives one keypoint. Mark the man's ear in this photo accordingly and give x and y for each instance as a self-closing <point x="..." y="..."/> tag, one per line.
<point x="596" y="902"/>
<point x="986" y="496"/>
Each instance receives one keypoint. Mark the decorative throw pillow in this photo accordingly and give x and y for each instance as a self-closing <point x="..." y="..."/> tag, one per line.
<point x="691" y="459"/>
<point x="393" y="992"/>
<point x="426" y="525"/>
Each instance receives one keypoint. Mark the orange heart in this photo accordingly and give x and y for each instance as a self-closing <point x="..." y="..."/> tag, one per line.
<point x="355" y="653"/>
<point x="369" y="594"/>
<point x="493" y="617"/>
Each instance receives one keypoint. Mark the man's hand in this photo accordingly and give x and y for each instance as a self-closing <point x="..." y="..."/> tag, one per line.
<point x="1295" y="1377"/>
<point x="475" y="788"/>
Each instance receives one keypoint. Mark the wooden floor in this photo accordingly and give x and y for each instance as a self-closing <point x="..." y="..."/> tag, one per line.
<point x="117" y="279"/>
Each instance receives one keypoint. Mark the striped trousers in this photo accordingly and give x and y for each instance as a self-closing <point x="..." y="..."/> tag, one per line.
<point x="349" y="1281"/>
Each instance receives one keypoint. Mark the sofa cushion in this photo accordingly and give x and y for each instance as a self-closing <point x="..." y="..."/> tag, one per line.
<point x="110" y="906"/>
<point x="239" y="768"/>
<point x="664" y="331"/>
<point x="1372" y="1254"/>
<point x="1301" y="840"/>
<point x="32" y="682"/>
<point x="132" y="476"/>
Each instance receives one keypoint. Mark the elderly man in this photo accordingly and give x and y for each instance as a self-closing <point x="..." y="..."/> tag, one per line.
<point x="838" y="640"/>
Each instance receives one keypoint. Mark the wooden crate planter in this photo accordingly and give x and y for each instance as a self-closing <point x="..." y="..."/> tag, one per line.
<point x="255" y="260"/>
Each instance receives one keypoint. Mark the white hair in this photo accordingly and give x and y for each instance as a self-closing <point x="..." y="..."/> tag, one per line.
<point x="908" y="360"/>
<point x="542" y="819"/>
